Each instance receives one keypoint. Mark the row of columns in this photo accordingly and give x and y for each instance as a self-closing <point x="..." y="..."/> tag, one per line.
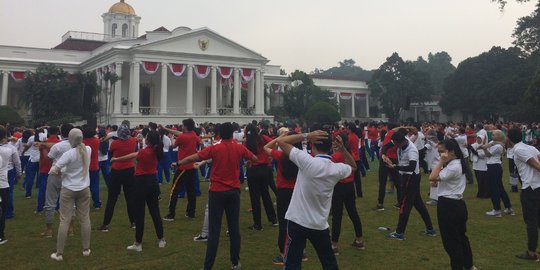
<point x="5" y="80"/>
<point x="255" y="91"/>
<point x="338" y="94"/>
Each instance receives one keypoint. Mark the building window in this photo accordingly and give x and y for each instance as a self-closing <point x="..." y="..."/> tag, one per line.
<point x="114" y="26"/>
<point x="124" y="30"/>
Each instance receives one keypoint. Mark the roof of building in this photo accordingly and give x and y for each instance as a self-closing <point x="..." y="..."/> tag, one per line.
<point x="122" y="7"/>
<point x="332" y="77"/>
<point x="159" y="29"/>
<point x="79" y="45"/>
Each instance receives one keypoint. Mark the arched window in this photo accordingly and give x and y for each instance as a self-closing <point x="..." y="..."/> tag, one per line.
<point x="124" y="30"/>
<point x="113" y="32"/>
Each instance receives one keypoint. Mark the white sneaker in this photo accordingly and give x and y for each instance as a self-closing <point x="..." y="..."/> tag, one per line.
<point x="509" y="211"/>
<point x="57" y="257"/>
<point x="162" y="243"/>
<point x="3" y="241"/>
<point x="135" y="247"/>
<point x="86" y="252"/>
<point x="494" y="213"/>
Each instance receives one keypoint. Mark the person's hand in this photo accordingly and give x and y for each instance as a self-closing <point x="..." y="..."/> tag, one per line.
<point x="196" y="165"/>
<point x="174" y="165"/>
<point x="445" y="157"/>
<point x="114" y="159"/>
<point x="433" y="183"/>
<point x="316" y="136"/>
<point x="160" y="126"/>
<point x="248" y="164"/>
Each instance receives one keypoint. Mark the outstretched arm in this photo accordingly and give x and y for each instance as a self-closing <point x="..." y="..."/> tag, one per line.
<point x="126" y="157"/>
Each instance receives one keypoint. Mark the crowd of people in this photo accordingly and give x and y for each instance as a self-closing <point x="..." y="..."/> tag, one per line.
<point x="313" y="172"/>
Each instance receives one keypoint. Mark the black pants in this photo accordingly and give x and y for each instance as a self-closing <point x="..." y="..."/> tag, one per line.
<point x="530" y="204"/>
<point x="452" y="215"/>
<point x="422" y="158"/>
<point x="344" y="195"/>
<point x="183" y="178"/>
<point x="257" y="177"/>
<point x="119" y="180"/>
<point x="363" y="157"/>
<point x="145" y="194"/>
<point x="4" y="193"/>
<point x="283" y="200"/>
<point x="384" y="172"/>
<point x="297" y="238"/>
<point x="358" y="182"/>
<point x="483" y="186"/>
<point x="412" y="197"/>
<point x="219" y="202"/>
<point x="497" y="188"/>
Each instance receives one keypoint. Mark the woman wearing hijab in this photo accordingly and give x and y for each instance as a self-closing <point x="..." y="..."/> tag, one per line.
<point x="74" y="165"/>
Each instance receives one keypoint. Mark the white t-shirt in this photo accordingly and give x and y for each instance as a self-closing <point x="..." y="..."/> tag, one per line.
<point x="58" y="149"/>
<point x="479" y="162"/>
<point x="312" y="196"/>
<point x="529" y="175"/>
<point x="13" y="161"/>
<point x="420" y="141"/>
<point x="406" y="155"/>
<point x="166" y="144"/>
<point x="484" y="133"/>
<point x="33" y="151"/>
<point x="461" y="139"/>
<point x="496" y="151"/>
<point x="75" y="176"/>
<point x="453" y="181"/>
<point x="238" y="136"/>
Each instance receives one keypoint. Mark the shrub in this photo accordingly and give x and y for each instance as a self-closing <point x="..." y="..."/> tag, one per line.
<point x="9" y="116"/>
<point x="322" y="113"/>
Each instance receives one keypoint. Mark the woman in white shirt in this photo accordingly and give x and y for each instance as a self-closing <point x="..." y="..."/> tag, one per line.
<point x="494" y="151"/>
<point x="479" y="161"/>
<point x="449" y="176"/>
<point x="74" y="165"/>
<point x="164" y="165"/>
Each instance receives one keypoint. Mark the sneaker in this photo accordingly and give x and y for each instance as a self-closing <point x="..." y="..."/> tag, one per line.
<point x="133" y="226"/>
<point x="494" y="213"/>
<point x="236" y="267"/>
<point x="57" y="257"/>
<point x="275" y="223"/>
<point x="397" y="236"/>
<point x="431" y="202"/>
<point x="431" y="233"/>
<point x="190" y="217"/>
<point x="255" y="228"/>
<point x="279" y="260"/>
<point x="335" y="250"/>
<point x="358" y="244"/>
<point x="168" y="217"/>
<point x="397" y="206"/>
<point x="509" y="211"/>
<point x="162" y="243"/>
<point x="46" y="234"/>
<point x="86" y="253"/>
<point x="526" y="256"/>
<point x="378" y="208"/>
<point x="305" y="258"/>
<point x="104" y="228"/>
<point x="3" y="241"/>
<point x="135" y="247"/>
<point x="200" y="238"/>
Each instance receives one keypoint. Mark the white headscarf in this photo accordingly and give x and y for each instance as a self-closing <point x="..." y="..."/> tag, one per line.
<point x="75" y="138"/>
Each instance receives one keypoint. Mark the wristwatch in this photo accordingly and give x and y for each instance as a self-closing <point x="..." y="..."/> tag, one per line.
<point x="304" y="135"/>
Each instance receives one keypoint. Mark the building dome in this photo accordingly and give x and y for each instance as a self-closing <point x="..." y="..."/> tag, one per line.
<point x="122" y="7"/>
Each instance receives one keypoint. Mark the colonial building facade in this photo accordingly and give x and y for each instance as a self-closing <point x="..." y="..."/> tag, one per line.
<point x="165" y="76"/>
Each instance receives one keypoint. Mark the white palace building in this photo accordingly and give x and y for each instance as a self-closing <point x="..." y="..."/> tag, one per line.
<point x="166" y="76"/>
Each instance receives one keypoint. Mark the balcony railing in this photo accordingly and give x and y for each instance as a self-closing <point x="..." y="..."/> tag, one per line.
<point x="84" y="36"/>
<point x="197" y="111"/>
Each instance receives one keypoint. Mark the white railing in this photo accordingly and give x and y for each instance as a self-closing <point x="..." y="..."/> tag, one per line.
<point x="149" y="110"/>
<point x="145" y="110"/>
<point x="84" y="36"/>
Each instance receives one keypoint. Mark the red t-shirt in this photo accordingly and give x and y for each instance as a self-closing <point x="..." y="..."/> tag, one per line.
<point x="392" y="151"/>
<point x="471" y="136"/>
<point x="121" y="148"/>
<point x="338" y="157"/>
<point x="226" y="157"/>
<point x="281" y="181"/>
<point x="45" y="163"/>
<point x="187" y="143"/>
<point x="146" y="162"/>
<point x="262" y="156"/>
<point x="94" y="145"/>
<point x="373" y="134"/>
<point x="353" y="146"/>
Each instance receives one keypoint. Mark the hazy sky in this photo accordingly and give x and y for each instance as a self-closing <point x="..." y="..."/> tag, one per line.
<point x="297" y="34"/>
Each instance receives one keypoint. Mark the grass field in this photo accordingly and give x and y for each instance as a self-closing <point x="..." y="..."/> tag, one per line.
<point x="494" y="241"/>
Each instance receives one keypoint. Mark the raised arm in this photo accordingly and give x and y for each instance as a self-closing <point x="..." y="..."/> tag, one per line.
<point x="349" y="160"/>
<point x="273" y="144"/>
<point x="126" y="157"/>
<point x="190" y="159"/>
<point x="285" y="143"/>
<point x="172" y="131"/>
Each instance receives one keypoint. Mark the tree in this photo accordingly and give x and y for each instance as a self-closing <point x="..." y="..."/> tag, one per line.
<point x="438" y="66"/>
<point x="322" y="113"/>
<point x="8" y="116"/>
<point x="397" y="83"/>
<point x="303" y="95"/>
<point x="51" y="93"/>
<point x="348" y="69"/>
<point x="490" y="85"/>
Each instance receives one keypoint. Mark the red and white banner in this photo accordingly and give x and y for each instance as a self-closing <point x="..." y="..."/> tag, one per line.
<point x="177" y="69"/>
<point x="334" y="95"/>
<point x="225" y="72"/>
<point x="150" y="67"/>
<point x="202" y="71"/>
<point x="247" y="74"/>
<point x="71" y="77"/>
<point x="245" y="85"/>
<point x="360" y="96"/>
<point x="345" y="96"/>
<point x="18" y="75"/>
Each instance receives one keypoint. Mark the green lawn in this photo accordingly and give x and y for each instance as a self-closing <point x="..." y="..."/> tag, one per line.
<point x="494" y="241"/>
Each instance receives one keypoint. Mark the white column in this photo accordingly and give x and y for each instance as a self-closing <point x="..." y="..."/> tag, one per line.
<point x="213" y="91"/>
<point x="189" y="91"/>
<point x="353" y="96"/>
<point x="267" y="100"/>
<point x="135" y="87"/>
<point x="164" y="87"/>
<point x="236" y="102"/>
<point x="338" y="102"/>
<point x="228" y="101"/>
<point x="220" y="93"/>
<point x="367" y="105"/>
<point x="259" y="96"/>
<point x="118" y="89"/>
<point x="5" y="79"/>
<point x="251" y="93"/>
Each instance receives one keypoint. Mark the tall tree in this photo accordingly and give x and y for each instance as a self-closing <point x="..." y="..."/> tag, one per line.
<point x="438" y="66"/>
<point x="397" y="83"/>
<point x="303" y="94"/>
<point x="346" y="68"/>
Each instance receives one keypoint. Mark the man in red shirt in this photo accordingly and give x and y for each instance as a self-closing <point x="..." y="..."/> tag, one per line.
<point x="391" y="154"/>
<point x="90" y="139"/>
<point x="224" y="194"/>
<point x="353" y="145"/>
<point x="187" y="142"/>
<point x="45" y="166"/>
